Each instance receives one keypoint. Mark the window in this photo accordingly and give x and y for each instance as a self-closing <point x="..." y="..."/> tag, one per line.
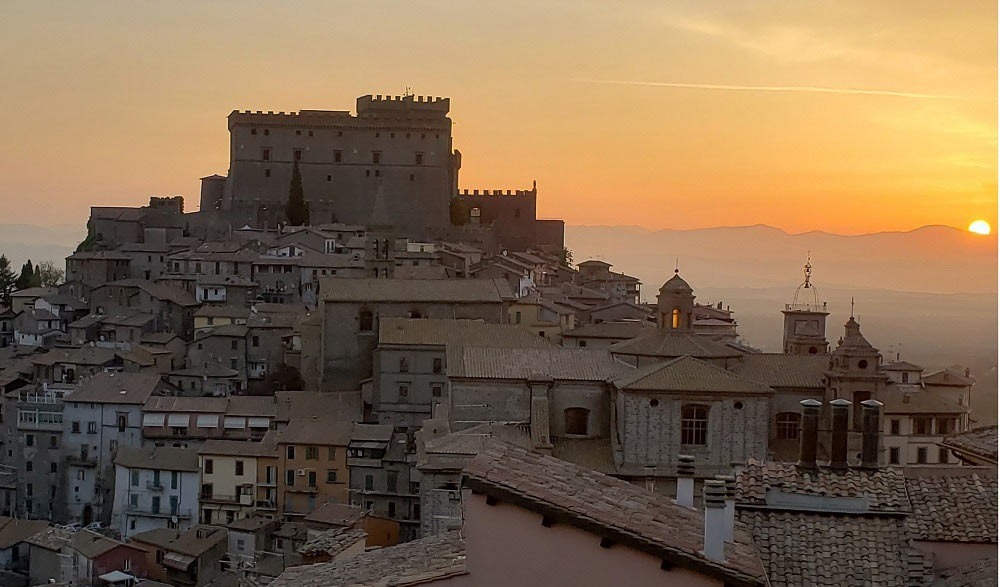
<point x="267" y="132"/>
<point x="234" y="364"/>
<point x="576" y="420"/>
<point x="253" y="131"/>
<point x="675" y="318"/>
<point x="232" y="345"/>
<point x="894" y="455"/>
<point x="437" y="365"/>
<point x="392" y="509"/>
<point x="369" y="483"/>
<point x="404" y="391"/>
<point x="391" y="480"/>
<point x="412" y="177"/>
<point x="53" y="442"/>
<point x="331" y="476"/>
<point x="267" y="173"/>
<point x="175" y="478"/>
<point x="75" y="427"/>
<point x="906" y="377"/>
<point x="311" y="478"/>
<point x="517" y="317"/>
<point x="404" y="365"/>
<point x="944" y="426"/>
<point x="133" y="500"/>
<point x="239" y="468"/>
<point x="312" y="453"/>
<point x="377" y="157"/>
<point x="297" y="153"/>
<point x="91" y="427"/>
<point x="331" y="453"/>
<point x="155" y="505"/>
<point x="29" y="489"/>
<point x="694" y="425"/>
<point x="256" y="341"/>
<point x="436" y="390"/>
<point x="365" y="320"/>
<point x="922" y="426"/>
<point x="29" y="440"/>
<point x="28" y="466"/>
<point x="420" y="158"/>
<point x="894" y="426"/>
<point x="943" y="455"/>
<point x="209" y="466"/>
<point x="290" y="451"/>
<point x="338" y="156"/>
<point x="52" y="468"/>
<point x="135" y="478"/>
<point x="786" y="425"/>
<point x="265" y="154"/>
<point x="122" y="422"/>
<point x="921" y="455"/>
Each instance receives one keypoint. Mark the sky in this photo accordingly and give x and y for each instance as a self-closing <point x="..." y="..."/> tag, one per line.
<point x="849" y="117"/>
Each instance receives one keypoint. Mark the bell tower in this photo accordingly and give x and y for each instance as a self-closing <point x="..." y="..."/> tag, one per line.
<point x="675" y="304"/>
<point x="855" y="372"/>
<point x="805" y="320"/>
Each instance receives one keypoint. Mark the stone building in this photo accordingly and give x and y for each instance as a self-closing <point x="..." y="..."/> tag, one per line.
<point x="155" y="487"/>
<point x="312" y="465"/>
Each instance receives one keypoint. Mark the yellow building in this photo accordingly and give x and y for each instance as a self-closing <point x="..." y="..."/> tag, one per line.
<point x="542" y="317"/>
<point x="312" y="463"/>
<point x="231" y="471"/>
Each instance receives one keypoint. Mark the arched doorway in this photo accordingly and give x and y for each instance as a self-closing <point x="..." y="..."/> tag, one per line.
<point x="88" y="515"/>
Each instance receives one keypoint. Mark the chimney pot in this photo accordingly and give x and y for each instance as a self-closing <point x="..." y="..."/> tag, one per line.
<point x="839" y="417"/>
<point x="810" y="433"/>
<point x="715" y="520"/>
<point x="685" y="481"/>
<point x="870" y="433"/>
<point x="730" y="484"/>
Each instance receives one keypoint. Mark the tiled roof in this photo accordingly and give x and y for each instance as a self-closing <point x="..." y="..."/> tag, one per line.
<point x="427" y="331"/>
<point x="373" y="291"/>
<point x="978" y="573"/>
<point x="612" y="330"/>
<point x="164" y="458"/>
<point x="240" y="448"/>
<point x="669" y="344"/>
<point x="411" y="563"/>
<point x="901" y="366"/>
<point x="193" y="542"/>
<point x="185" y="404"/>
<point x="919" y="402"/>
<point x="883" y="489"/>
<point x="223" y="311"/>
<point x="338" y="514"/>
<point x="86" y="355"/>
<point x="117" y="388"/>
<point x="779" y="370"/>
<point x="319" y="432"/>
<point x="332" y="542"/>
<point x="13" y="531"/>
<point x="302" y="405"/>
<point x="610" y="507"/>
<point x="371" y="432"/>
<point x="947" y="377"/>
<point x="954" y="508"/>
<point x="210" y="370"/>
<point x="237" y="330"/>
<point x="51" y="538"/>
<point x="91" y="544"/>
<point x="158" y="291"/>
<point x="573" y="364"/>
<point x="800" y="549"/>
<point x="688" y="374"/>
<point x="981" y="442"/>
<point x="34" y="292"/>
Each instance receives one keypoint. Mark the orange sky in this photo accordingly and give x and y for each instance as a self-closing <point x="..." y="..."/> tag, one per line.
<point x="106" y="103"/>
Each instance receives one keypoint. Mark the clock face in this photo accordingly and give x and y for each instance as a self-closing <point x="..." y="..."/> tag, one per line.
<point x="807" y="327"/>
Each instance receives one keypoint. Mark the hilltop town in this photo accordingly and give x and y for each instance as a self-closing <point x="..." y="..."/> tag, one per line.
<point x="345" y="369"/>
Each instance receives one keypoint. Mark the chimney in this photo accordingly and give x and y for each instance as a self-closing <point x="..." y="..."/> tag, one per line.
<point x="730" y="483"/>
<point x="685" y="481"/>
<point x="839" y="416"/>
<point x="870" y="433"/>
<point x="810" y="433"/>
<point x="715" y="520"/>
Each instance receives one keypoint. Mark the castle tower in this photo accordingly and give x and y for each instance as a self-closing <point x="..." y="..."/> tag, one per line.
<point x="805" y="320"/>
<point x="380" y="243"/>
<point x="855" y="372"/>
<point x="675" y="304"/>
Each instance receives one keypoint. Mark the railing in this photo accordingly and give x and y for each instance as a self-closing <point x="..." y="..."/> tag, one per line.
<point x="805" y="307"/>
<point x="154" y="485"/>
<point x="47" y="398"/>
<point x="163" y="513"/>
<point x="266" y="504"/>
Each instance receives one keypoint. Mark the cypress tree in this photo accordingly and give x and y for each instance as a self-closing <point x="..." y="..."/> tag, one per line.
<point x="298" y="212"/>
<point x="27" y="276"/>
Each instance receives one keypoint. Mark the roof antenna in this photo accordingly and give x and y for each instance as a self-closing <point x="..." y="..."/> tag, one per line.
<point x="808" y="269"/>
<point x="677" y="263"/>
<point x="852" y="306"/>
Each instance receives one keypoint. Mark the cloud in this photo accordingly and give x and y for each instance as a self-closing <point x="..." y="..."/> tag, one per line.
<point x="806" y="89"/>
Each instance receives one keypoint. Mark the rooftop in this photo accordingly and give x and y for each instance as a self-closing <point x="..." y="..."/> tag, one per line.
<point x="337" y="514"/>
<point x="434" y="332"/>
<point x="688" y="374"/>
<point x="91" y="544"/>
<point x="193" y="542"/>
<point x="612" y="330"/>
<point x="954" y="508"/>
<point x="780" y="370"/>
<point x="980" y="443"/>
<point x="317" y="432"/>
<point x="666" y="343"/>
<point x="117" y="388"/>
<point x="370" y="290"/>
<point x="164" y="458"/>
<point x="332" y="542"/>
<point x="568" y="364"/>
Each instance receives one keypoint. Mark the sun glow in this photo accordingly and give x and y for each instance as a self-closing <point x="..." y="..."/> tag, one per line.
<point x="980" y="227"/>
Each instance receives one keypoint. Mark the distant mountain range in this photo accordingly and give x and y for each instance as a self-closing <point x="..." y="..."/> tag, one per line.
<point x="20" y="242"/>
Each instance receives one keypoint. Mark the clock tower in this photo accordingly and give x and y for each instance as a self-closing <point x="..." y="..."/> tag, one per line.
<point x="805" y="320"/>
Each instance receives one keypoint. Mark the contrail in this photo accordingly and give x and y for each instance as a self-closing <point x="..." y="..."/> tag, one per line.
<point x="807" y="89"/>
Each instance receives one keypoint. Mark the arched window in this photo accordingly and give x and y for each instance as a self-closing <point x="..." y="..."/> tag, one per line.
<point x="786" y="425"/>
<point x="404" y="365"/>
<point x="576" y="420"/>
<point x="675" y="318"/>
<point x="694" y="425"/>
<point x="365" y="321"/>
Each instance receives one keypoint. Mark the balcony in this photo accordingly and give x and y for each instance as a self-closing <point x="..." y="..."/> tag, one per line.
<point x="154" y="485"/>
<point x="220" y="498"/>
<point x="265" y="504"/>
<point x="135" y="510"/>
<point x="88" y="462"/>
<point x="38" y="420"/>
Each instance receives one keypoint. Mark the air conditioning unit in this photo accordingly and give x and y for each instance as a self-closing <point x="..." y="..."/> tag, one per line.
<point x="302" y="472"/>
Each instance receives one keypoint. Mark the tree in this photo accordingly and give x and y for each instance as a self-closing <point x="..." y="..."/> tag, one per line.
<point x="7" y="280"/>
<point x="284" y="378"/>
<point x="27" y="276"/>
<point x="48" y="274"/>
<point x="298" y="212"/>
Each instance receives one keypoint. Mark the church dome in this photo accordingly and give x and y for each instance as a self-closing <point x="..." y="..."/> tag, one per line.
<point x="676" y="283"/>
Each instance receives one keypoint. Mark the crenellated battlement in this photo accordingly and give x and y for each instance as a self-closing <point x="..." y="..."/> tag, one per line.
<point x="379" y="104"/>
<point x="475" y="192"/>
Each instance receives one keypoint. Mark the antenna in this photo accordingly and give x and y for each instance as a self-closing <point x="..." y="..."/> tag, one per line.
<point x="677" y="265"/>
<point x="852" y="306"/>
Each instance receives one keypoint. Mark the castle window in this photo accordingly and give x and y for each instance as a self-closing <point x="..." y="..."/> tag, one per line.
<point x="297" y="153"/>
<point x="267" y="132"/>
<point x="340" y="133"/>
<point x="368" y="172"/>
<point x="862" y="364"/>
<point x="392" y="135"/>
<point x="404" y="365"/>
<point x="675" y="318"/>
<point x="298" y="133"/>
<point x="576" y="420"/>
<point x="420" y="158"/>
<point x="377" y="157"/>
<point x="407" y="135"/>
<point x="265" y="154"/>
<point x="411" y="177"/>
<point x="365" y="319"/>
<point x="253" y="131"/>
<point x="267" y="173"/>
<point x="517" y="212"/>
<point x="338" y="156"/>
<point x="787" y="425"/>
<point x="694" y="425"/>
<point x="377" y="135"/>
<point x="474" y="215"/>
<point x="310" y="133"/>
<point x="329" y="178"/>
<point x="378" y="173"/>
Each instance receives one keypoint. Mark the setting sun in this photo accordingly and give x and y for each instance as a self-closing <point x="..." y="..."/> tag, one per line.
<point x="980" y="227"/>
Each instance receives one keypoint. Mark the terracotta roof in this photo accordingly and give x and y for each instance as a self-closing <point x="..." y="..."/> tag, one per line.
<point x="979" y="573"/>
<point x="228" y="311"/>
<point x="165" y="458"/>
<point x="572" y="364"/>
<point x="919" y="402"/>
<point x="318" y="432"/>
<point x="185" y="404"/>
<point x="302" y="405"/>
<point x="901" y="366"/>
<point x="338" y="514"/>
<point x="187" y="542"/>
<point x="236" y="330"/>
<point x="779" y="370"/>
<point x="613" y="330"/>
<point x="34" y="292"/>
<point x="427" y="331"/>
<point x="241" y="448"/>
<point x="981" y="442"/>
<point x="91" y="544"/>
<point x="688" y="374"/>
<point x="332" y="542"/>
<point x="954" y="508"/>
<point x="881" y="490"/>
<point x="51" y="538"/>
<point x="609" y="507"/>
<point x="373" y="291"/>
<point x="947" y="377"/>
<point x="157" y="290"/>
<point x="412" y="563"/>
<point x="86" y="355"/>
<point x="669" y="344"/>
<point x="13" y="531"/>
<point x="210" y="370"/>
<point x="117" y="388"/>
<point x="800" y="549"/>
